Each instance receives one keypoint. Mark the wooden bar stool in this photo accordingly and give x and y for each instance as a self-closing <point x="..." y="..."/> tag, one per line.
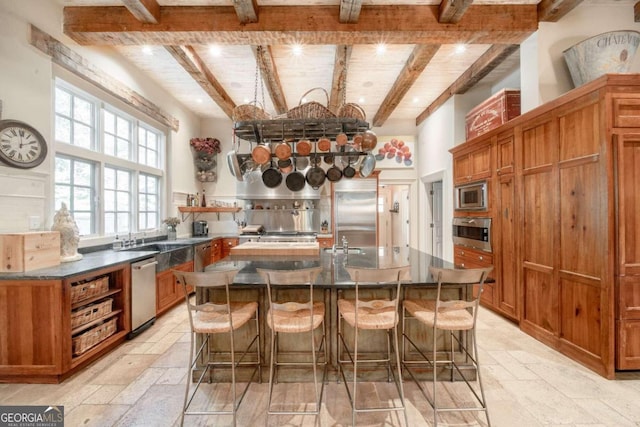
<point x="372" y="315"/>
<point x="452" y="316"/>
<point x="290" y="317"/>
<point x="211" y="318"/>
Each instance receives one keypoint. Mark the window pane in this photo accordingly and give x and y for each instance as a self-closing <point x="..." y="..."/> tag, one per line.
<point x="122" y="201"/>
<point x="109" y="122"/>
<point x="109" y="144"/>
<point x="123" y="149"/>
<point x="82" y="136"/>
<point x="82" y="174"/>
<point x="123" y="222"/>
<point x="109" y="200"/>
<point x="122" y="180"/>
<point x="63" y="170"/>
<point x="63" y="129"/>
<point x="83" y="111"/>
<point x="109" y="178"/>
<point x="109" y="223"/>
<point x="63" y="102"/>
<point x="83" y="220"/>
<point x="82" y="199"/>
<point x="63" y="194"/>
<point x="123" y="126"/>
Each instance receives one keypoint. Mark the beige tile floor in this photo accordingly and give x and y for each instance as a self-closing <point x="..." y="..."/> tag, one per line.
<point x="141" y="383"/>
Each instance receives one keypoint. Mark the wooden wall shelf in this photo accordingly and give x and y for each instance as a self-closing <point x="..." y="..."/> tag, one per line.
<point x="196" y="211"/>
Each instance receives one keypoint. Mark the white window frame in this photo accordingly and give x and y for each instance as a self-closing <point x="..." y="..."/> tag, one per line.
<point x="101" y="160"/>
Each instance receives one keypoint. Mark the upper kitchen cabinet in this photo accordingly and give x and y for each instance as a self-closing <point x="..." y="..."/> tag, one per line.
<point x="473" y="163"/>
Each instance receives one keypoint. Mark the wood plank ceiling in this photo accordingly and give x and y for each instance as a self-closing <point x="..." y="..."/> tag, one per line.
<point x="209" y="53"/>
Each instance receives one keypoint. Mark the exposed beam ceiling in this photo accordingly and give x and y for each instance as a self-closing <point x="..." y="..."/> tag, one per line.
<point x="487" y="62"/>
<point x="636" y="12"/>
<point x="147" y="11"/>
<point x="270" y="78"/>
<point x="503" y="24"/>
<point x="553" y="10"/>
<point x="414" y="66"/>
<point x="451" y="11"/>
<point x="350" y="10"/>
<point x="193" y="64"/>
<point x="247" y="10"/>
<point x="339" y="83"/>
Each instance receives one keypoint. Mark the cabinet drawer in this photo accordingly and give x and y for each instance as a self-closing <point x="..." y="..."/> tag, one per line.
<point x="626" y="112"/>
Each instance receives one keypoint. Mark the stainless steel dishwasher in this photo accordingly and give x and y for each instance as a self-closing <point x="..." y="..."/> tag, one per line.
<point x="143" y="295"/>
<point x="201" y="256"/>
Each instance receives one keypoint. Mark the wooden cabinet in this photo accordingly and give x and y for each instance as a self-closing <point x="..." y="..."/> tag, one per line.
<point x="474" y="165"/>
<point x="168" y="292"/>
<point x="227" y="244"/>
<point x="565" y="194"/>
<point x="216" y="250"/>
<point x="464" y="257"/>
<point x="51" y="328"/>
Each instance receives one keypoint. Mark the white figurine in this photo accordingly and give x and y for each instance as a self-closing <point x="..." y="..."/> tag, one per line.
<point x="69" y="234"/>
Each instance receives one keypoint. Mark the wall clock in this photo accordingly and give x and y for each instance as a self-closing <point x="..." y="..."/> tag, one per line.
<point x="21" y="146"/>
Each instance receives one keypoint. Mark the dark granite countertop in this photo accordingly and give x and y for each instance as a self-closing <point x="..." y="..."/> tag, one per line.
<point x="333" y="266"/>
<point x="100" y="259"/>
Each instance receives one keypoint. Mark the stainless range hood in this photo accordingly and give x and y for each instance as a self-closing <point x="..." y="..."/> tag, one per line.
<point x="252" y="187"/>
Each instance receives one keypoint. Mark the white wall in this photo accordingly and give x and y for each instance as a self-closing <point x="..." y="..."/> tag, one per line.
<point x="586" y="20"/>
<point x="26" y="88"/>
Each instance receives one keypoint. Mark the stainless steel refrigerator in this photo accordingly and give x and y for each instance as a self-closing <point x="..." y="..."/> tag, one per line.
<point x="355" y="212"/>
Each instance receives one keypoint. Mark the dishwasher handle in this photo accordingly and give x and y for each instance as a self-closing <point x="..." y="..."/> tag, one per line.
<point x="149" y="264"/>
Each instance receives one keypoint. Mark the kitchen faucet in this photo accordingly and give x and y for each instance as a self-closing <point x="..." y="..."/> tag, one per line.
<point x="345" y="244"/>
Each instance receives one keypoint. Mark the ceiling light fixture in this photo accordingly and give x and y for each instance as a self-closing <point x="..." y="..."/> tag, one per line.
<point x="381" y="48"/>
<point x="215" y="50"/>
<point x="460" y="48"/>
<point x="147" y="50"/>
<point x="361" y="100"/>
<point x="296" y="49"/>
<point x="199" y="100"/>
<point x="415" y="99"/>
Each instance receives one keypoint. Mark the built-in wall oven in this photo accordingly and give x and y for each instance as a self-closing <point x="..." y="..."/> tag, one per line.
<point x="472" y="232"/>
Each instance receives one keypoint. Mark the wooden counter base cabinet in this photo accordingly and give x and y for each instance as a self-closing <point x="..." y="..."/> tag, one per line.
<point x="50" y="330"/>
<point x="564" y="193"/>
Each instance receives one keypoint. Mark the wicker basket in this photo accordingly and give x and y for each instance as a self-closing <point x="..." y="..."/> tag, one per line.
<point x="352" y="111"/>
<point x="311" y="110"/>
<point x="94" y="336"/>
<point x="90" y="313"/>
<point x="251" y="111"/>
<point x="89" y="289"/>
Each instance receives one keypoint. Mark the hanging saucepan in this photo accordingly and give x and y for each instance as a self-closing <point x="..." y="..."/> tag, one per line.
<point x="349" y="171"/>
<point x="347" y="159"/>
<point x="324" y="144"/>
<point x="342" y="139"/>
<point x="368" y="165"/>
<point x="302" y="163"/>
<point x="234" y="165"/>
<point x="283" y="150"/>
<point x="369" y="140"/>
<point x="315" y="175"/>
<point x="285" y="166"/>
<point x="272" y="177"/>
<point x="334" y="174"/>
<point x="328" y="158"/>
<point x="261" y="154"/>
<point x="303" y="147"/>
<point x="295" y="180"/>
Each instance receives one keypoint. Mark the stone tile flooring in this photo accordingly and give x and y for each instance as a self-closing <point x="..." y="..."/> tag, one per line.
<point x="141" y="383"/>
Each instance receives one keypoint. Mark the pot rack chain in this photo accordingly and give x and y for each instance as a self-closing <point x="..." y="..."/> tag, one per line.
<point x="258" y="77"/>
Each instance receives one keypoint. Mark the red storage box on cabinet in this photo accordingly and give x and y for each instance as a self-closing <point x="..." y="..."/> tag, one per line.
<point x="495" y="111"/>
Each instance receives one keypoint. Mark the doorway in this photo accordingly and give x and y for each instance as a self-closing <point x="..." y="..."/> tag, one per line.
<point x="435" y="201"/>
<point x="393" y="216"/>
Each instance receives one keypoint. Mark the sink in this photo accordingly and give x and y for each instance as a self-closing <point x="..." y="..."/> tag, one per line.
<point x="339" y="250"/>
<point x="170" y="254"/>
<point x="157" y="246"/>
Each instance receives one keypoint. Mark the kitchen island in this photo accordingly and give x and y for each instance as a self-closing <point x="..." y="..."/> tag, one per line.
<point x="333" y="283"/>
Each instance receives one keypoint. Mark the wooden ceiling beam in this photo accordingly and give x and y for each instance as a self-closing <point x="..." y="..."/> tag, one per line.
<point x="247" y="10"/>
<point x="146" y="11"/>
<point x="195" y="66"/>
<point x="339" y="82"/>
<point x="350" y="10"/>
<point x="485" y="24"/>
<point x="415" y="65"/>
<point x="553" y="10"/>
<point x="451" y="11"/>
<point x="81" y="67"/>
<point x="636" y="12"/>
<point x="493" y="57"/>
<point x="270" y="77"/>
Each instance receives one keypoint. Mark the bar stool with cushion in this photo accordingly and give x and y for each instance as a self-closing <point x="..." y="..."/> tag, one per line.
<point x="377" y="314"/>
<point x="211" y="318"/>
<point x="291" y="317"/>
<point x="453" y="316"/>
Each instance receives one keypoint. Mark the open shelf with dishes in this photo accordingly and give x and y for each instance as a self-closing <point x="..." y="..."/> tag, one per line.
<point x="186" y="211"/>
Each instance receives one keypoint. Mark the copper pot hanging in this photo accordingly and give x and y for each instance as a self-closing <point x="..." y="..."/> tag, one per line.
<point x="303" y="147"/>
<point x="283" y="151"/>
<point x="261" y="154"/>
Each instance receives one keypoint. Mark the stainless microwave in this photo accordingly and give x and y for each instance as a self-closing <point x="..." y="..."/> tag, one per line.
<point x="471" y="197"/>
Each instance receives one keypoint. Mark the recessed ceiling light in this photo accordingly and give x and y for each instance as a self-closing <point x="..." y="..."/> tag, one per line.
<point x="361" y="100"/>
<point x="460" y="48"/>
<point x="199" y="100"/>
<point x="296" y="49"/>
<point x="245" y="101"/>
<point x="147" y="50"/>
<point x="415" y="99"/>
<point x="381" y="49"/>
<point x="215" y="50"/>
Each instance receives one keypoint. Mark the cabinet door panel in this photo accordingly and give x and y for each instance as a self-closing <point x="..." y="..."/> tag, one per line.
<point x="538" y="146"/>
<point x="628" y="172"/>
<point x="507" y="294"/>
<point x="628" y="352"/>
<point x="581" y="314"/>
<point x="540" y="299"/>
<point x="538" y="213"/>
<point x="579" y="132"/>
